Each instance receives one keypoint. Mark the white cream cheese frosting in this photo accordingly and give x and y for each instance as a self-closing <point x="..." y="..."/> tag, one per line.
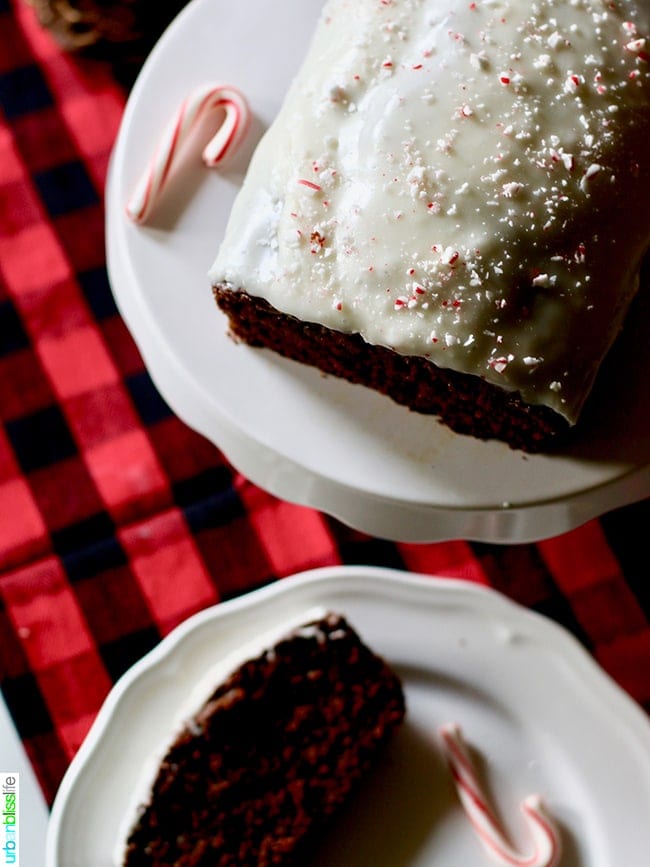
<point x="464" y="181"/>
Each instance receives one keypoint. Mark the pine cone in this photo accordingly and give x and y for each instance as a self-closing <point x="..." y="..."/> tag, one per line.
<point x="120" y="31"/>
<point x="80" y="23"/>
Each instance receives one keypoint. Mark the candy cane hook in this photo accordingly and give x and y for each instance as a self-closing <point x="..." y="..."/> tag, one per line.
<point x="201" y="102"/>
<point x="545" y="837"/>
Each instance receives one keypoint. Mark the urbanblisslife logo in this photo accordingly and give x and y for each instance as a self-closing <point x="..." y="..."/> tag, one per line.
<point x="9" y="824"/>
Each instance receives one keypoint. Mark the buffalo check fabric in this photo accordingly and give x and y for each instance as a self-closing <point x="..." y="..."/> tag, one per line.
<point x="117" y="522"/>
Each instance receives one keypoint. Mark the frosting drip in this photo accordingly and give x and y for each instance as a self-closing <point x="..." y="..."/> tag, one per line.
<point x="464" y="181"/>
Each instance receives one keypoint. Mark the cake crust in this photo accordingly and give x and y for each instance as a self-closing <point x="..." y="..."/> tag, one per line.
<point x="466" y="404"/>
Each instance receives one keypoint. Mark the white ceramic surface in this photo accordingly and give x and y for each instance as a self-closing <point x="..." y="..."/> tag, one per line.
<point x="307" y="438"/>
<point x="541" y="714"/>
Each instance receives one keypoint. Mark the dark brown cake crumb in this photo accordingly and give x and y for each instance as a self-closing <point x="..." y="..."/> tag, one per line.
<point x="272" y="754"/>
<point x="466" y="404"/>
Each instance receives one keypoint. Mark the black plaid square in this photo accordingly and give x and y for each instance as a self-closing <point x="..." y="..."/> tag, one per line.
<point x="97" y="291"/>
<point x="121" y="654"/>
<point x="150" y="405"/>
<point x="26" y="704"/>
<point x="12" y="333"/>
<point x="93" y="559"/>
<point x="88" y="546"/>
<point x="66" y="188"/>
<point x="624" y="532"/>
<point x="214" y="509"/>
<point x="22" y="91"/>
<point x="41" y="439"/>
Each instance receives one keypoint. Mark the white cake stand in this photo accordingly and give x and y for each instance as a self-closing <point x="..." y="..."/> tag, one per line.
<point x="307" y="438"/>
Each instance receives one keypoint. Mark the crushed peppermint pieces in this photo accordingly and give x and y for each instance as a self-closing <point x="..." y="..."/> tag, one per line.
<point x="500" y="364"/>
<point x="310" y="185"/>
<point x="593" y="170"/>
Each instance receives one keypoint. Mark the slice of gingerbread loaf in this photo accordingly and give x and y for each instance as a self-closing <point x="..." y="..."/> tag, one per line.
<point x="271" y="755"/>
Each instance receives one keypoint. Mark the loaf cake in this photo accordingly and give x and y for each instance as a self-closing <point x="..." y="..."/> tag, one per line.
<point x="452" y="206"/>
<point x="271" y="754"/>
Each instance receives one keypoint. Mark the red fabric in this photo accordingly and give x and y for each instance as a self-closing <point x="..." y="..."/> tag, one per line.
<point x="116" y="520"/>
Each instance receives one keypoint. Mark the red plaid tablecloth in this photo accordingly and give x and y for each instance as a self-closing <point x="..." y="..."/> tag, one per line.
<point x="116" y="520"/>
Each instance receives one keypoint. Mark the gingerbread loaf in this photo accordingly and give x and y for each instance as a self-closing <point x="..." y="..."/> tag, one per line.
<point x="451" y="206"/>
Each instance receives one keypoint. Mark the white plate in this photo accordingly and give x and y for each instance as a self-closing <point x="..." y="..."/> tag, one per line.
<point x="307" y="438"/>
<point x="542" y="714"/>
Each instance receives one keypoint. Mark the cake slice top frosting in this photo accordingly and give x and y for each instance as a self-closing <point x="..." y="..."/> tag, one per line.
<point x="464" y="181"/>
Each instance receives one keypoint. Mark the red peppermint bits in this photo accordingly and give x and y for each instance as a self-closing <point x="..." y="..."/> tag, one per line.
<point x="499" y="364"/>
<point x="310" y="185"/>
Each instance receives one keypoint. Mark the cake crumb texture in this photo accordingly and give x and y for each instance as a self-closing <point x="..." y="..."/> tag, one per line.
<point x="272" y="754"/>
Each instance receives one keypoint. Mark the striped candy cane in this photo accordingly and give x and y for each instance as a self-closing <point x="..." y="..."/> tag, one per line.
<point x="205" y="100"/>
<point x="545" y="837"/>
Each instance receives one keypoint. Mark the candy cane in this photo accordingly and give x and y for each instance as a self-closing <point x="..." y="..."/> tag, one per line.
<point x="195" y="107"/>
<point x="545" y="837"/>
